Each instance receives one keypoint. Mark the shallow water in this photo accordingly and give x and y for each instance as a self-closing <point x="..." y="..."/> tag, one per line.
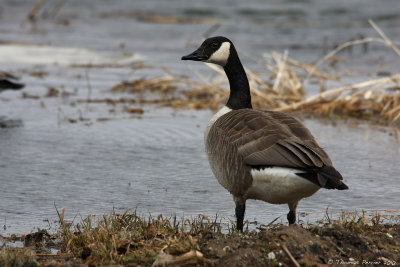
<point x="156" y="162"/>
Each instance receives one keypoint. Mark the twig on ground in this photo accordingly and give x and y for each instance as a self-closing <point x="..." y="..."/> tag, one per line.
<point x="287" y="252"/>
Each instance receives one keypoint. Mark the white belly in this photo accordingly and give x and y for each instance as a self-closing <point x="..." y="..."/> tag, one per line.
<point x="279" y="185"/>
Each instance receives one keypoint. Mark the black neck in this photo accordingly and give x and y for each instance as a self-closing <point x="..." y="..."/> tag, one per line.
<point x="239" y="97"/>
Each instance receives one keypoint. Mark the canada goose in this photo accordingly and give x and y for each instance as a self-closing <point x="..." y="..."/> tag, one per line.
<point x="257" y="154"/>
<point x="6" y="82"/>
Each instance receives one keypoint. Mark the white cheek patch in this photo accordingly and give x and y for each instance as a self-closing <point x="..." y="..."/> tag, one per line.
<point x="221" y="56"/>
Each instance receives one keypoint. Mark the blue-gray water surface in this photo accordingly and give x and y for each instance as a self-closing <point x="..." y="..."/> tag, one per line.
<point x="66" y="155"/>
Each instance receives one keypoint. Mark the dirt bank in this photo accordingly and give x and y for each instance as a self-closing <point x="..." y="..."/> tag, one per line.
<point x="330" y="244"/>
<point x="130" y="240"/>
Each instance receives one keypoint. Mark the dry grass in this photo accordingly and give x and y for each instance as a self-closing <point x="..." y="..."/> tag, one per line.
<point x="358" y="222"/>
<point x="130" y="239"/>
<point x="377" y="99"/>
<point x="17" y="257"/>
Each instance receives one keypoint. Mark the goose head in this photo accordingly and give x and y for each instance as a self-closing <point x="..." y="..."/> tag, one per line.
<point x="221" y="51"/>
<point x="213" y="50"/>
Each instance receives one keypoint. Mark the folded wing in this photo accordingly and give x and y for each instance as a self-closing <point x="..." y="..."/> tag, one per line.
<point x="267" y="138"/>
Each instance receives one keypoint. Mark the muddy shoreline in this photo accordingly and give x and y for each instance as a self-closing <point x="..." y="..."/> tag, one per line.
<point x="330" y="244"/>
<point x="349" y="240"/>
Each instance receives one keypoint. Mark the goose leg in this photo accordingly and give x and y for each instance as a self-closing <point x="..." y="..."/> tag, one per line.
<point x="291" y="216"/>
<point x="239" y="210"/>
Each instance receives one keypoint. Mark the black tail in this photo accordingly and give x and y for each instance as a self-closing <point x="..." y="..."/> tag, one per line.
<point x="327" y="177"/>
<point x="342" y="186"/>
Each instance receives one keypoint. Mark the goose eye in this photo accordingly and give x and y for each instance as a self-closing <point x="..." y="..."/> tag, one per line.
<point x="214" y="45"/>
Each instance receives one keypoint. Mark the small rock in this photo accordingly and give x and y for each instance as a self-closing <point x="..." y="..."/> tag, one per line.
<point x="389" y="235"/>
<point x="226" y="249"/>
<point x="271" y="256"/>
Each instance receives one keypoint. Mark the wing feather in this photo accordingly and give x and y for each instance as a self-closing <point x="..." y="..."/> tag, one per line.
<point x="268" y="138"/>
<point x="271" y="139"/>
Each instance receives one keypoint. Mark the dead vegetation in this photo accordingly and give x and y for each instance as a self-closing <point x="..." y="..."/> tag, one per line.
<point x="284" y="89"/>
<point x="131" y="240"/>
<point x="376" y="99"/>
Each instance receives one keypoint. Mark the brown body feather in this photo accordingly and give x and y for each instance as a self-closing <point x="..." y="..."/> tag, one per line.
<point x="244" y="139"/>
